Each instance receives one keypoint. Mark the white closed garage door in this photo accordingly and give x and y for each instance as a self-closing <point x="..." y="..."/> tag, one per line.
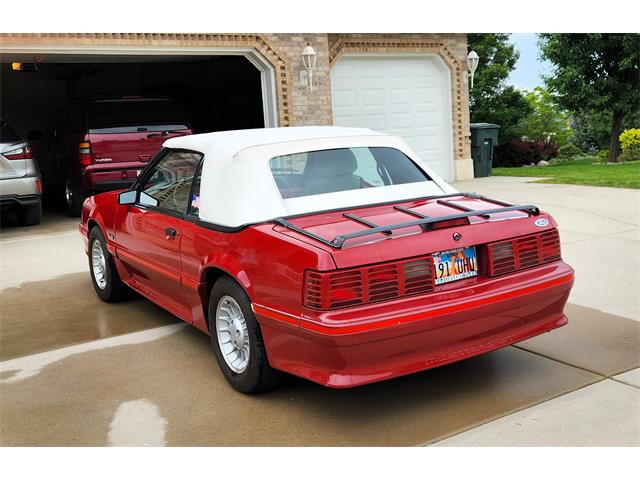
<point x="405" y="95"/>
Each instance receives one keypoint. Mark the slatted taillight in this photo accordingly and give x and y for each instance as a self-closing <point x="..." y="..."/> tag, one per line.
<point x="374" y="283"/>
<point x="550" y="246"/>
<point x="523" y="252"/>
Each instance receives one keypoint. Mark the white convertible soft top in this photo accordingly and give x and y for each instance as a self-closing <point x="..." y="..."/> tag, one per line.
<point x="238" y="188"/>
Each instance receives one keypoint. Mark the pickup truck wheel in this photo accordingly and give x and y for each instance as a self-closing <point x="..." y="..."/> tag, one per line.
<point x="104" y="275"/>
<point x="30" y="215"/>
<point x="237" y="339"/>
<point x="73" y="199"/>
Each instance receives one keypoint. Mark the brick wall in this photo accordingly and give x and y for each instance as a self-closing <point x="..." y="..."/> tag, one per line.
<point x="306" y="107"/>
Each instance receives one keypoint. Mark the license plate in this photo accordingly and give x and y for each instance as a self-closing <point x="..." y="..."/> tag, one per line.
<point x="455" y="264"/>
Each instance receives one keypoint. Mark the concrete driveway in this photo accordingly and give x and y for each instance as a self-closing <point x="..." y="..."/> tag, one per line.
<point x="76" y="371"/>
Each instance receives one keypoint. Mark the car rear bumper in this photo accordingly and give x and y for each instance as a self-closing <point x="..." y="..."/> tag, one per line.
<point x="20" y="200"/>
<point x="388" y="340"/>
<point x="20" y="186"/>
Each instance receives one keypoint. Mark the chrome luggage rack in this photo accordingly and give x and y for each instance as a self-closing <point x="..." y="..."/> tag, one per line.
<point x="425" y="222"/>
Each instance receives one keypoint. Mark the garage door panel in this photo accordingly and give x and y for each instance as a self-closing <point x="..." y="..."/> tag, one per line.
<point x="346" y="98"/>
<point x="425" y="69"/>
<point x="424" y="143"/>
<point x="405" y="96"/>
<point x="400" y="96"/>
<point x="347" y="120"/>
<point x="399" y="121"/>
<point x="427" y="95"/>
<point x="368" y="70"/>
<point x="377" y="121"/>
<point x="429" y="120"/>
<point x="373" y="97"/>
<point x="400" y="68"/>
<point x="342" y="72"/>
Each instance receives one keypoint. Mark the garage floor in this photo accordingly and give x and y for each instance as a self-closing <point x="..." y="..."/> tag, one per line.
<point x="75" y="371"/>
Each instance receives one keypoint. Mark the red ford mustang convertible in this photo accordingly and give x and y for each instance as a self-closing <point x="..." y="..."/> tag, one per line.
<point x="333" y="254"/>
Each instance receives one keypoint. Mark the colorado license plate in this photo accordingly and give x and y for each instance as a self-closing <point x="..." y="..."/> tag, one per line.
<point x="455" y="264"/>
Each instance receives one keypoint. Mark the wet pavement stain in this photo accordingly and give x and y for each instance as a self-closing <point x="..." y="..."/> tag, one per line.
<point x="53" y="313"/>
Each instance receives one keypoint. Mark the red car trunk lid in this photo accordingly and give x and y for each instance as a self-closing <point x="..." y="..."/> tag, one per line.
<point x="409" y="241"/>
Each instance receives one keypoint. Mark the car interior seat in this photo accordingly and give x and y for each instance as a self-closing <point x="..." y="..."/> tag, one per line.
<point x="331" y="171"/>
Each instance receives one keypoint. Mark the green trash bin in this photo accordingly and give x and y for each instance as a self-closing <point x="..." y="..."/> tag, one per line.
<point x="484" y="136"/>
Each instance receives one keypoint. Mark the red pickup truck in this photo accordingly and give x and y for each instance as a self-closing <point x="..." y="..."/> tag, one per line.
<point x="100" y="144"/>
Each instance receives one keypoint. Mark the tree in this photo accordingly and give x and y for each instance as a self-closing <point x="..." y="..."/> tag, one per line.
<point x="506" y="108"/>
<point x="490" y="100"/>
<point x="592" y="129"/>
<point x="595" y="72"/>
<point x="547" y="122"/>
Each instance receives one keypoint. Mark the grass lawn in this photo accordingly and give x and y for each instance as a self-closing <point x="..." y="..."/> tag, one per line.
<point x="580" y="172"/>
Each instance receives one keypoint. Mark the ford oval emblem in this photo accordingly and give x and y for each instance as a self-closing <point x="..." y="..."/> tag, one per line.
<point x="542" y="222"/>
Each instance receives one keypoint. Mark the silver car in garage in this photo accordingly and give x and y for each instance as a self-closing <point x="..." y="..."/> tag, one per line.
<point x="20" y="182"/>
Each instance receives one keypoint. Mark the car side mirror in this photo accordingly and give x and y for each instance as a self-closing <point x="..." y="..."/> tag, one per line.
<point x="128" y="198"/>
<point x="35" y="135"/>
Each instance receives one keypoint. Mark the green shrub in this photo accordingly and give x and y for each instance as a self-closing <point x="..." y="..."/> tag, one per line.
<point x="568" y="150"/>
<point x="603" y="155"/>
<point x="630" y="144"/>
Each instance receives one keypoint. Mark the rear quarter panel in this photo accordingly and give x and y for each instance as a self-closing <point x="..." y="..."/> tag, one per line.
<point x="269" y="266"/>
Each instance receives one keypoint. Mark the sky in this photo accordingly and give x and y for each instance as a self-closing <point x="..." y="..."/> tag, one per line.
<point x="529" y="67"/>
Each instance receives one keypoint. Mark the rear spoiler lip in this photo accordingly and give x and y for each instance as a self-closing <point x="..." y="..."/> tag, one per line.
<point x="423" y="221"/>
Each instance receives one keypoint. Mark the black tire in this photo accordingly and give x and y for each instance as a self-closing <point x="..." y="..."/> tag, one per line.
<point x="30" y="215"/>
<point x="114" y="289"/>
<point x="258" y="375"/>
<point x="72" y="198"/>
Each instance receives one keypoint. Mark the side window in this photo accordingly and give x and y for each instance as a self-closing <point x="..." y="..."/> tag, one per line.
<point x="194" y="204"/>
<point x="169" y="185"/>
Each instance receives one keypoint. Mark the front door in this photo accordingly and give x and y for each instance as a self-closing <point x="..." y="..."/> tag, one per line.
<point x="149" y="233"/>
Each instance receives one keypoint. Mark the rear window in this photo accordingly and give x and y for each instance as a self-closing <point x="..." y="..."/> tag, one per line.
<point x="7" y="134"/>
<point x="328" y="171"/>
<point x="136" y="116"/>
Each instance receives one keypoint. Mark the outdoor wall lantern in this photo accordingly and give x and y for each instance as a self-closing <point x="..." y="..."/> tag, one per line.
<point x="309" y="61"/>
<point x="472" y="62"/>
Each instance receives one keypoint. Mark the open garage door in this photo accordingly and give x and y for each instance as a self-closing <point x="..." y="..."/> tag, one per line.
<point x="405" y="95"/>
<point x="216" y="90"/>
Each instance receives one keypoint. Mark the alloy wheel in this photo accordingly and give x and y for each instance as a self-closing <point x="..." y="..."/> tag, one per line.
<point x="233" y="334"/>
<point x="98" y="264"/>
